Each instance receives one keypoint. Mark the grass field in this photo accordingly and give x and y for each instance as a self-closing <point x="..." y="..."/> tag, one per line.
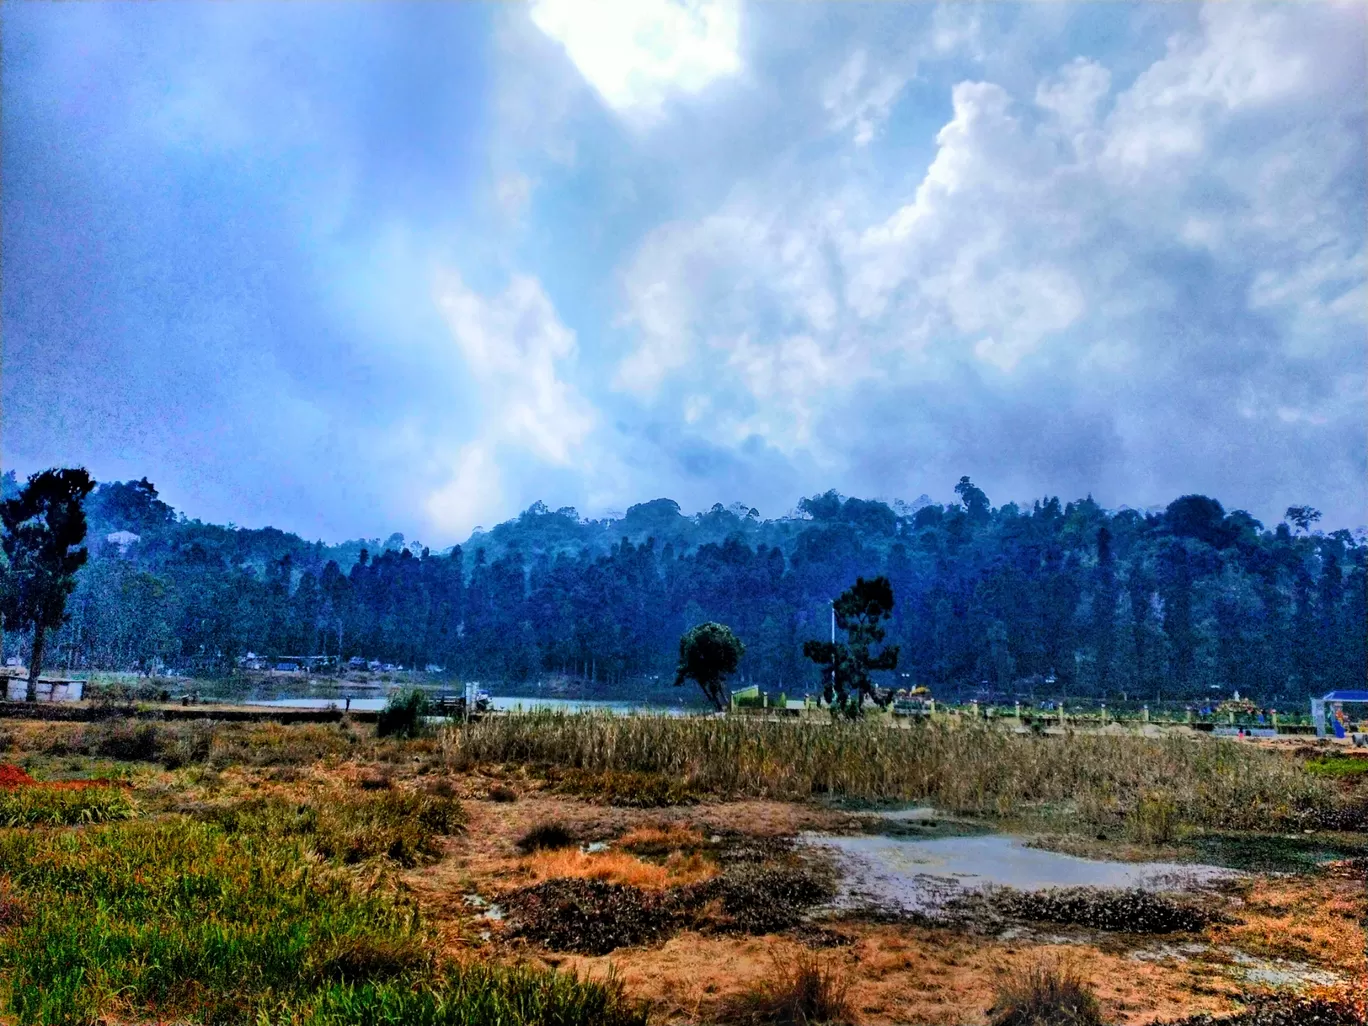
<point x="266" y="875"/>
<point x="1147" y="785"/>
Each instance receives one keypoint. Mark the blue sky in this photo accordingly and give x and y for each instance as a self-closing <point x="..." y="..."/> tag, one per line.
<point x="348" y="269"/>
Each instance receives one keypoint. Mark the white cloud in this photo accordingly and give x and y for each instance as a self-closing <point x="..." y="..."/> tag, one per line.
<point x="472" y="492"/>
<point x="513" y="347"/>
<point x="861" y="98"/>
<point x="1050" y="256"/>
<point x="635" y="53"/>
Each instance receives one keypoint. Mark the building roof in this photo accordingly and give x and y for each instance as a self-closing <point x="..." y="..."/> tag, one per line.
<point x="1346" y="696"/>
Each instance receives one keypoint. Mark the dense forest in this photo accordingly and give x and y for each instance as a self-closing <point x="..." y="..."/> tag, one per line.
<point x="1171" y="601"/>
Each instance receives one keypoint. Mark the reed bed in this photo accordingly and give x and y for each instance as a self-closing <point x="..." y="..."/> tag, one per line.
<point x="1138" y="783"/>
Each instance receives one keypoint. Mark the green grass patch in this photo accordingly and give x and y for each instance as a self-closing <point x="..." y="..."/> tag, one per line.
<point x="1338" y="767"/>
<point x="63" y="806"/>
<point x="1271" y="853"/>
<point x="403" y="826"/>
<point x="466" y="996"/>
<point x="181" y="920"/>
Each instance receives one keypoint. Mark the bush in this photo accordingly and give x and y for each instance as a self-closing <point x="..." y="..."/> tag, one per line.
<point x="805" y="992"/>
<point x="403" y="715"/>
<point x="1154" y="820"/>
<point x="501" y="793"/>
<point x="546" y="836"/>
<point x="1046" y="994"/>
<point x="127" y="742"/>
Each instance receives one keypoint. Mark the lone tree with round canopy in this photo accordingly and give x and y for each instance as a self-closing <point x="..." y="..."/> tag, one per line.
<point x="708" y="655"/>
<point x="860" y="612"/>
<point x="44" y="527"/>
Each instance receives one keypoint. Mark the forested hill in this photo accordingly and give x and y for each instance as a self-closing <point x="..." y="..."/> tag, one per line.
<point x="1173" y="600"/>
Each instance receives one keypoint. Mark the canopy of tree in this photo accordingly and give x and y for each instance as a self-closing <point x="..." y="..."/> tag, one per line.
<point x="1173" y="601"/>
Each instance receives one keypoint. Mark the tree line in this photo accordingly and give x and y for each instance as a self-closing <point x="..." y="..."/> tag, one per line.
<point x="1053" y="597"/>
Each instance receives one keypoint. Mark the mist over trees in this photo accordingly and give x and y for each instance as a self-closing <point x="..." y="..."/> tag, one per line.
<point x="1106" y="603"/>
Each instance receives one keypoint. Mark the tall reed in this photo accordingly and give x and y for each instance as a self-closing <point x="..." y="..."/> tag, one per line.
<point x="968" y="769"/>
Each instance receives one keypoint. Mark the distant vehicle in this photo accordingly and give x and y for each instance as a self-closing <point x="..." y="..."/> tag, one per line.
<point x="434" y="668"/>
<point x="374" y="666"/>
<point x="287" y="667"/>
<point x="388" y="668"/>
<point x="356" y="663"/>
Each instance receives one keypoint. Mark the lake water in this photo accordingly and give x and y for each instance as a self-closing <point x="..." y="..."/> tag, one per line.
<point x="918" y="875"/>
<point x="499" y="703"/>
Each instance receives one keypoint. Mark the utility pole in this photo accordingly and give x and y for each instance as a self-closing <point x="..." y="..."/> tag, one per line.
<point x="833" y="647"/>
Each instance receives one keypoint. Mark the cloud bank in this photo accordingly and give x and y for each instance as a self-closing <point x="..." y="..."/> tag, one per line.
<point x="419" y="268"/>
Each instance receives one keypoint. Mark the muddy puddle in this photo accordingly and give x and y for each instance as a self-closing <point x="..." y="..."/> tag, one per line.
<point x="895" y="872"/>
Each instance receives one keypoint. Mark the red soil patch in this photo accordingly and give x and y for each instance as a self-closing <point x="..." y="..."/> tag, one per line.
<point x="13" y="776"/>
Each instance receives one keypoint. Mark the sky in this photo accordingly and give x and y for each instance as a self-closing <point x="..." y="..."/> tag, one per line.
<point x="359" y="268"/>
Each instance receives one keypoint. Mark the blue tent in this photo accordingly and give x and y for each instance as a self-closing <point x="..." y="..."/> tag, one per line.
<point x="1334" y="698"/>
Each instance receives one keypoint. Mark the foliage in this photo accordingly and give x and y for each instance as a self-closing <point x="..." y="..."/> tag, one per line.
<point x="403" y="715"/>
<point x="860" y="612"/>
<point x="1024" y="599"/>
<point x="43" y="529"/>
<point x="1045" y="994"/>
<point x="1154" y="819"/>
<point x="708" y="655"/>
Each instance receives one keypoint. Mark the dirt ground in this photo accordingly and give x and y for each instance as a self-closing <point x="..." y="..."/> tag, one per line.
<point x="1304" y="930"/>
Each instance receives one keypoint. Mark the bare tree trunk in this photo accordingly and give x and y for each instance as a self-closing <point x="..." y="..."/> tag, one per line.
<point x="35" y="663"/>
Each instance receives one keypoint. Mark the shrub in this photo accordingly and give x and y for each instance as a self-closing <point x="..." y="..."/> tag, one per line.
<point x="804" y="992"/>
<point x="1154" y="819"/>
<point x="546" y="835"/>
<point x="1045" y="994"/>
<point x="502" y="793"/>
<point x="127" y="742"/>
<point x="403" y="715"/>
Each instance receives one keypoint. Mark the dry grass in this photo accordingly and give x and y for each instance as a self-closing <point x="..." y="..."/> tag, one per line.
<point x="1110" y="780"/>
<point x="619" y="868"/>
<point x="1047" y="993"/>
<point x="662" y="839"/>
<point x="806" y="991"/>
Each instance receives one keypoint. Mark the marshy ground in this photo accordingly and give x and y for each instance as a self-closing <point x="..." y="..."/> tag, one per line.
<point x="313" y="874"/>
